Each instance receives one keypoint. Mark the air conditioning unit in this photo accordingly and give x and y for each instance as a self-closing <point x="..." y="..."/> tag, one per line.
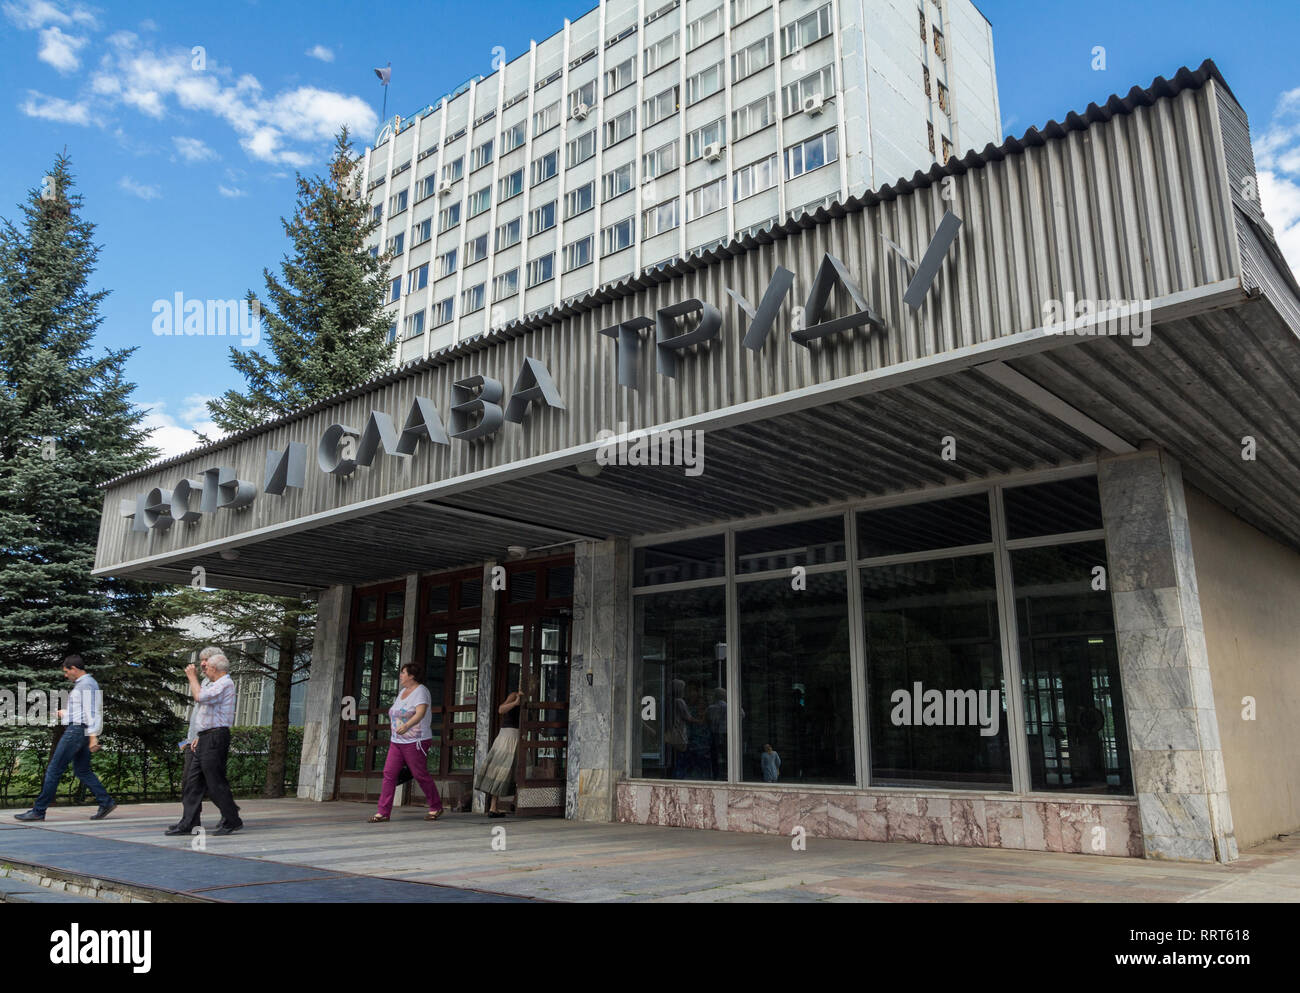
<point x="444" y="186"/>
<point x="713" y="151"/>
<point x="812" y="104"/>
<point x="581" y="111"/>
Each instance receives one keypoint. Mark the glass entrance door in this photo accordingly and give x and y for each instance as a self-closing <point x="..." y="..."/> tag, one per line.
<point x="370" y="684"/>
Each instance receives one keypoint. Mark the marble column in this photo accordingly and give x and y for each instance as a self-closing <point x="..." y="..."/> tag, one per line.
<point x="1174" y="745"/>
<point x="321" y="711"/>
<point x="487" y="653"/>
<point x="597" y="751"/>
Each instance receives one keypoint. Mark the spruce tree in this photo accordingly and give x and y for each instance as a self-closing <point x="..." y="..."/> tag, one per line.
<point x="326" y="329"/>
<point x="67" y="425"/>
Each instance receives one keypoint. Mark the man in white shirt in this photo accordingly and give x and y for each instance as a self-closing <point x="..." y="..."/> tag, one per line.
<point x="215" y="705"/>
<point x="84" y="722"/>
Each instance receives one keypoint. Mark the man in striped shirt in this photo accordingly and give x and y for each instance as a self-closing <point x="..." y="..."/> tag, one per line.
<point x="214" y="705"/>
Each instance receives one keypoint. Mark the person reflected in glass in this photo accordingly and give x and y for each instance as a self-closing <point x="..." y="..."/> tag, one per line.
<point x="679" y="737"/>
<point x="497" y="777"/>
<point x="771" y="762"/>
<point x="411" y="735"/>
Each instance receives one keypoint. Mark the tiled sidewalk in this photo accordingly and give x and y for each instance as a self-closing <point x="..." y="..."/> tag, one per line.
<point x="563" y="860"/>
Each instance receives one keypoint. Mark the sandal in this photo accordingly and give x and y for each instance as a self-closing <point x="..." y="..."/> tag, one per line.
<point x="377" y="819"/>
<point x="433" y="815"/>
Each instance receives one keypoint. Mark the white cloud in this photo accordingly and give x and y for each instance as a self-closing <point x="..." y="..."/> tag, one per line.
<point x="148" y="24"/>
<point x="60" y="50"/>
<point x="142" y="190"/>
<point x="173" y="434"/>
<point x="193" y="149"/>
<point x="1277" y="156"/>
<point x="35" y="14"/>
<point x="320" y="52"/>
<point x="230" y="191"/>
<point x="55" y="109"/>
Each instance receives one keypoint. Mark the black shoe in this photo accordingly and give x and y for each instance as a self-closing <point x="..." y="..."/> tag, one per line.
<point x="30" y="815"/>
<point x="495" y="813"/>
<point x="105" y="810"/>
<point x="178" y="829"/>
<point x="224" y="830"/>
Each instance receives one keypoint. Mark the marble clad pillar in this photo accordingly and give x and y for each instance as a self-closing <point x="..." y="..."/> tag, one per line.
<point x="598" y="712"/>
<point x="487" y="653"/>
<point x="1178" y="772"/>
<point x="322" y="709"/>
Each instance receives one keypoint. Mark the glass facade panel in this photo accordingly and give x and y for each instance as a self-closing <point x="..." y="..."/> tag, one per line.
<point x="1053" y="508"/>
<point x="936" y="700"/>
<point x="787" y="545"/>
<point x="681" y="561"/>
<point x="923" y="527"/>
<point x="795" y="682"/>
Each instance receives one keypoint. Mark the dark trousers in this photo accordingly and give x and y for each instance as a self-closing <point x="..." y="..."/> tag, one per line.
<point x="73" y="749"/>
<point x="207" y="773"/>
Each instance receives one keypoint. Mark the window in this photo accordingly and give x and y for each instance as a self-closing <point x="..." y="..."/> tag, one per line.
<point x="580" y="200"/>
<point x="546" y="118"/>
<point x="743" y="10"/>
<point x="392" y="332"/>
<point x="472" y="299"/>
<point x="938" y="43"/>
<point x="661" y="161"/>
<point x="444" y="311"/>
<point x="943" y="99"/>
<point x="395" y="289"/>
<point x="808" y="29"/>
<point x="481" y="156"/>
<point x="811" y="154"/>
<point x="622" y="126"/>
<point x="661" y="106"/>
<point x="422" y="232"/>
<point x="449" y="217"/>
<point x="752" y="58"/>
<point x="374" y="251"/>
<point x="541" y="218"/>
<point x="546" y="167"/>
<point x="577" y="254"/>
<point x="581" y="148"/>
<point x="947" y="149"/>
<point x="397" y="203"/>
<point x="426" y="187"/>
<point x="621" y="76"/>
<point x="753" y="117"/>
<point x="510" y="186"/>
<point x="660" y="53"/>
<point x="479" y="201"/>
<point x="476" y="249"/>
<point x="616" y="182"/>
<point x="505" y="284"/>
<point x="584" y="95"/>
<point x="396" y="244"/>
<point x="754" y="178"/>
<point x="706" y="199"/>
<point x="513" y="137"/>
<point x="660" y="218"/>
<point x="417" y="279"/>
<point x="444" y="264"/>
<point x="541" y="270"/>
<point x="698" y="140"/>
<point x="453" y="170"/>
<point x="704" y="29"/>
<point x="820" y="83"/>
<point x="509" y="233"/>
<point x="704" y="83"/>
<point x="413" y="325"/>
<point x="617" y="236"/>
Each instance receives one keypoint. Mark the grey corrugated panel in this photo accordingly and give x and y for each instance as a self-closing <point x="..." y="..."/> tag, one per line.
<point x="970" y="170"/>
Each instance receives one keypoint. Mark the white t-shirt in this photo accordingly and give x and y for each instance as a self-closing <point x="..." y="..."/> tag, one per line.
<point x="403" y="710"/>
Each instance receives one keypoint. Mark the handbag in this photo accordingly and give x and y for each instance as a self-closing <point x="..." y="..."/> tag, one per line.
<point x="676" y="736"/>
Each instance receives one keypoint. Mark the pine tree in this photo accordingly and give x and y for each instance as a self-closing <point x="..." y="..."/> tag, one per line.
<point x="66" y="425"/>
<point x="327" y="330"/>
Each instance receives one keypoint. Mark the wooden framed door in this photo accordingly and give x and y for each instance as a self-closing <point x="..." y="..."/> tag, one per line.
<point x="370" y="684"/>
<point x="535" y="639"/>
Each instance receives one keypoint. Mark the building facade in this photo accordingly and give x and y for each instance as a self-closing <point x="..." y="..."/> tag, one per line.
<point x="643" y="132"/>
<point x="968" y="518"/>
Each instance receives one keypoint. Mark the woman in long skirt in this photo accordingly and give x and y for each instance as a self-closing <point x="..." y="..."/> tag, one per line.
<point x="497" y="777"/>
<point x="410" y="735"/>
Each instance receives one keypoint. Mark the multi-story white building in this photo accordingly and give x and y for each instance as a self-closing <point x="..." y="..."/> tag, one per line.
<point x="647" y="130"/>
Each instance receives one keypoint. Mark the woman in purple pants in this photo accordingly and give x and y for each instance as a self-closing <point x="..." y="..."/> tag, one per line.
<point x="410" y="734"/>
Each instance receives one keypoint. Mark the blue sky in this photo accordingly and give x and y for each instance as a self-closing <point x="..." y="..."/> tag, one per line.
<point x="187" y="173"/>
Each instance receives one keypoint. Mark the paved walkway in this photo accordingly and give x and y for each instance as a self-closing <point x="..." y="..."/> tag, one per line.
<point x="294" y="850"/>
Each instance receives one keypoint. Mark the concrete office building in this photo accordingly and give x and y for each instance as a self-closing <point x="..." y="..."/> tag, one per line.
<point x="996" y="547"/>
<point x="644" y="131"/>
